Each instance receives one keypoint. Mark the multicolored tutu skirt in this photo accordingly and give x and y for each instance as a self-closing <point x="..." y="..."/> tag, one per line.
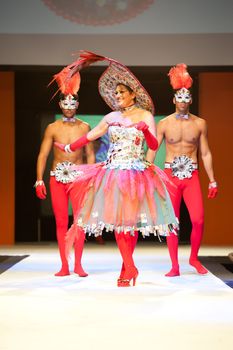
<point x="123" y="200"/>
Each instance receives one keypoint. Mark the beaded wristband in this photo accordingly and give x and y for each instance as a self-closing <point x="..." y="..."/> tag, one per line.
<point x="39" y="183"/>
<point x="213" y="184"/>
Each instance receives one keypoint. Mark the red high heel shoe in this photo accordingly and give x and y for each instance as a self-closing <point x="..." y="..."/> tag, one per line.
<point x="133" y="240"/>
<point x="121" y="277"/>
<point x="130" y="274"/>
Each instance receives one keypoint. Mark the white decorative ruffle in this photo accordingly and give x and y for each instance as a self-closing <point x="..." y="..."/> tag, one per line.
<point x="146" y="230"/>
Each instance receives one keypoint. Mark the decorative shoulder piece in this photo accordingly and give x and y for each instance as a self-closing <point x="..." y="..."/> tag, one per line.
<point x="213" y="184"/>
<point x="39" y="183"/>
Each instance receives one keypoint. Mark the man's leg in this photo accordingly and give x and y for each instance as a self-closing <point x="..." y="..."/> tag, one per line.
<point x="193" y="200"/>
<point x="175" y="193"/>
<point x="79" y="240"/>
<point x="60" y="208"/>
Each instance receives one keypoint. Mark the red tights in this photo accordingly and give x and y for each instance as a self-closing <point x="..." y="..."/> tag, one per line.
<point x="60" y="203"/>
<point x="126" y="244"/>
<point x="190" y="191"/>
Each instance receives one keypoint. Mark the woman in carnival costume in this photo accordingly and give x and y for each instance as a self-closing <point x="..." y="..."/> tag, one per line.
<point x="126" y="193"/>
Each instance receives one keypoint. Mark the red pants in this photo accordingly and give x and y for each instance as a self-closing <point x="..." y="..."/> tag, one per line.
<point x="60" y="203"/>
<point x="190" y="191"/>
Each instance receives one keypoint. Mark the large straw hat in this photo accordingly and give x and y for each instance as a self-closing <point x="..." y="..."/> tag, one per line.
<point x="116" y="74"/>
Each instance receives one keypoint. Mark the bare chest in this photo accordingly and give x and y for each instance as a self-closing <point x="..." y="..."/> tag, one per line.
<point x="68" y="133"/>
<point x="182" y="132"/>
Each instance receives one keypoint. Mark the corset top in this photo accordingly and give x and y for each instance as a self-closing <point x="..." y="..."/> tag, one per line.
<point x="126" y="150"/>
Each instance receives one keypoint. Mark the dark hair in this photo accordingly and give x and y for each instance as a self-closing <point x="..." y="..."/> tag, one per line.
<point x="63" y="96"/>
<point x="176" y="90"/>
<point x="126" y="86"/>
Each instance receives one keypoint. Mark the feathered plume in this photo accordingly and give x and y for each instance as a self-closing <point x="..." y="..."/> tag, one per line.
<point x="68" y="79"/>
<point x="67" y="85"/>
<point x="179" y="77"/>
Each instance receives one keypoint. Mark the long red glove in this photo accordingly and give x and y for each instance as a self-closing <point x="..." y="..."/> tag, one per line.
<point x="82" y="141"/>
<point x="40" y="189"/>
<point x="213" y="190"/>
<point x="150" y="139"/>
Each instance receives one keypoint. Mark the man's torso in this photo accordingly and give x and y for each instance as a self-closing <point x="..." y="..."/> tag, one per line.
<point x="181" y="137"/>
<point x="67" y="132"/>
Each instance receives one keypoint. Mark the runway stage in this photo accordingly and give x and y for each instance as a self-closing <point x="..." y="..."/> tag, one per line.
<point x="41" y="311"/>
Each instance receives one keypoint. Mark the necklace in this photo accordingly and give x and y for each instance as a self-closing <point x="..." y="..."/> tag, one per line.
<point x="129" y="108"/>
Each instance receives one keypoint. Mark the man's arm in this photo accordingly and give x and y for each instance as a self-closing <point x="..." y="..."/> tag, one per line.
<point x="89" y="150"/>
<point x="205" y="152"/>
<point x="45" y="148"/>
<point x="150" y="155"/>
<point x="207" y="160"/>
<point x="160" y="135"/>
<point x="160" y="132"/>
<point x="90" y="154"/>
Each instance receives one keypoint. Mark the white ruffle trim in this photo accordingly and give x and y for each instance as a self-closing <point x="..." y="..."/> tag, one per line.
<point x="145" y="230"/>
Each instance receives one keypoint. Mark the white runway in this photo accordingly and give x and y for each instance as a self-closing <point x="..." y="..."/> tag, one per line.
<point x="41" y="311"/>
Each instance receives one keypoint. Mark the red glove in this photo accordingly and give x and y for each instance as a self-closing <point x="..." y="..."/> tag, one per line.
<point x="150" y="139"/>
<point x="82" y="141"/>
<point x="213" y="190"/>
<point x="40" y="189"/>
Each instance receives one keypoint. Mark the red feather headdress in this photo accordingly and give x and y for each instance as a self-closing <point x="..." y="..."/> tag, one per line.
<point x="68" y="79"/>
<point x="179" y="77"/>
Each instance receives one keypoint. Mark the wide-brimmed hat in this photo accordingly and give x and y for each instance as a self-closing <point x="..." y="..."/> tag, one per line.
<point x="117" y="73"/>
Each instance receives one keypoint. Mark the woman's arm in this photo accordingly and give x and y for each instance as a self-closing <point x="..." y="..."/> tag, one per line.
<point x="147" y="126"/>
<point x="92" y="135"/>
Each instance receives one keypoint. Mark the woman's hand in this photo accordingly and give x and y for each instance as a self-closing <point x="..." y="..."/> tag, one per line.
<point x="142" y="126"/>
<point x="79" y="143"/>
<point x="149" y="137"/>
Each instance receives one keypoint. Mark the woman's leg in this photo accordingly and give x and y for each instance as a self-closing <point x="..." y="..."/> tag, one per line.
<point x="124" y="243"/>
<point x="133" y="239"/>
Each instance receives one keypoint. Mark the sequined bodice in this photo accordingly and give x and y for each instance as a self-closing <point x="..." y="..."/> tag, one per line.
<point x="126" y="148"/>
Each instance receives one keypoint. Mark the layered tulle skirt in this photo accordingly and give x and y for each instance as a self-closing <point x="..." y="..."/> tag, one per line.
<point x="122" y="200"/>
